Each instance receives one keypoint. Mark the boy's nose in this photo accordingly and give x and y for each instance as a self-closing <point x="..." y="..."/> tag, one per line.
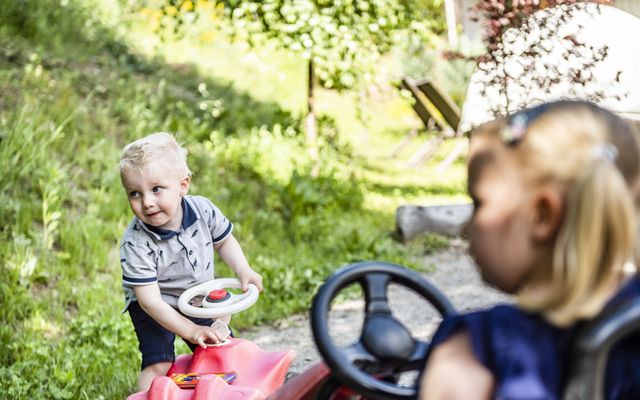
<point x="147" y="201"/>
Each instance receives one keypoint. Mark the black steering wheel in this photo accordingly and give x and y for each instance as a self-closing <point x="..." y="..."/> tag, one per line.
<point x="385" y="346"/>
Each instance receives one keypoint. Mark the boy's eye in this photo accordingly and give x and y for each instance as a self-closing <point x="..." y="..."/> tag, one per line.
<point x="134" y="194"/>
<point x="156" y="189"/>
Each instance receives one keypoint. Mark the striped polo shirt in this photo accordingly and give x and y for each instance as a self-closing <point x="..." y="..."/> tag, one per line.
<point x="175" y="260"/>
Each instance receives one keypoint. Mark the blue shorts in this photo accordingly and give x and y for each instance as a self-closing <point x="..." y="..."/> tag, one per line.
<point x="156" y="342"/>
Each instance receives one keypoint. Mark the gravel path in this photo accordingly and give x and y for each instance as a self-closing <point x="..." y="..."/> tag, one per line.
<point x="453" y="273"/>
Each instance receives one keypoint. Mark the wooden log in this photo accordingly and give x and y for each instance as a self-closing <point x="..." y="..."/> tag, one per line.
<point x="412" y="220"/>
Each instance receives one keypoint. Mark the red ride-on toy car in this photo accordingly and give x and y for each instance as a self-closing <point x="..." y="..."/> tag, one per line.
<point x="235" y="369"/>
<point x="366" y="369"/>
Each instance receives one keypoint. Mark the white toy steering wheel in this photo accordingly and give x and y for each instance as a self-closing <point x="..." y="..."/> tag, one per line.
<point x="217" y="302"/>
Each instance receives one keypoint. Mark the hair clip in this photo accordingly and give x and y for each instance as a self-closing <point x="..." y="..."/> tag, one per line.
<point x="605" y="151"/>
<point x="518" y="123"/>
<point x="514" y="131"/>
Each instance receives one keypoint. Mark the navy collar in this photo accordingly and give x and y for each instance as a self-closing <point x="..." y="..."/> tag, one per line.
<point x="189" y="218"/>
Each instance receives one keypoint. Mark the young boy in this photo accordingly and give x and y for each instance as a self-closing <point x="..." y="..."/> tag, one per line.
<point x="167" y="248"/>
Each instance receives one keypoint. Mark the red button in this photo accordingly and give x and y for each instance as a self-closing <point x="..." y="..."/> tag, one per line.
<point x="218" y="294"/>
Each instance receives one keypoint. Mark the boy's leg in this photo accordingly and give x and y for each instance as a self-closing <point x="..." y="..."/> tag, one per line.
<point x="155" y="344"/>
<point x="150" y="373"/>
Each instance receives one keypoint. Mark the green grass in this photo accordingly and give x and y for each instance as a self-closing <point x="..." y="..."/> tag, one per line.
<point x="77" y="88"/>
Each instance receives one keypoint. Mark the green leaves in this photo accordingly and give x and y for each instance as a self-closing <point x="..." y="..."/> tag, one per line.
<point x="344" y="39"/>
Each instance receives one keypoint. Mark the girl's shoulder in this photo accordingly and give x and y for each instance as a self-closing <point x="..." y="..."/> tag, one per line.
<point x="521" y="350"/>
<point x="527" y="354"/>
<point x="506" y="323"/>
<point x="499" y="319"/>
<point x="499" y="329"/>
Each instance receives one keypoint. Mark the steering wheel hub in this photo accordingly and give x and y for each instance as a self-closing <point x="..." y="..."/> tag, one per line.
<point x="216" y="296"/>
<point x="217" y="301"/>
<point x="387" y="339"/>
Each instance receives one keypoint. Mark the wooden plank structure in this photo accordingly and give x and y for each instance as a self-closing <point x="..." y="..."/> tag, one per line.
<point x="437" y="111"/>
<point x="421" y="105"/>
<point x="443" y="103"/>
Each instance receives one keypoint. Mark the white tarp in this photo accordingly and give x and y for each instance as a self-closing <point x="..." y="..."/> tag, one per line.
<point x="616" y="77"/>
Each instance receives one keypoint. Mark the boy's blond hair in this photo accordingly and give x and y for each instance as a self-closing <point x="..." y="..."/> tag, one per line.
<point x="156" y="146"/>
<point x="567" y="144"/>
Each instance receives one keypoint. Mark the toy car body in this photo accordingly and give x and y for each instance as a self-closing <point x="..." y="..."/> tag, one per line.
<point x="258" y="373"/>
<point x="366" y="369"/>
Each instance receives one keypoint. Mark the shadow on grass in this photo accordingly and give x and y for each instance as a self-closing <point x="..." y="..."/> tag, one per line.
<point x="97" y="61"/>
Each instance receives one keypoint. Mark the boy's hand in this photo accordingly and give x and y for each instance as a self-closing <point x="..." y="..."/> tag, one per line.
<point x="232" y="254"/>
<point x="201" y="335"/>
<point x="250" y="276"/>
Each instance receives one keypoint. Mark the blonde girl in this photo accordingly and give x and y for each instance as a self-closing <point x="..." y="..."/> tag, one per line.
<point x="554" y="224"/>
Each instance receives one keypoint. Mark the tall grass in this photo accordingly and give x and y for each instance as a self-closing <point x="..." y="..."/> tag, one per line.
<point x="72" y="96"/>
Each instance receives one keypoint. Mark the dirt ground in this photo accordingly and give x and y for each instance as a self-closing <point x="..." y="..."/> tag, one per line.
<point x="453" y="273"/>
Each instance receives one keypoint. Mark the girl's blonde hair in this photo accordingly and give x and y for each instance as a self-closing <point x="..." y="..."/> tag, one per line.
<point x="156" y="146"/>
<point x="591" y="153"/>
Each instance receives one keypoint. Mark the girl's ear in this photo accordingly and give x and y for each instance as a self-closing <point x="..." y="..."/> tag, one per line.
<point x="184" y="185"/>
<point x="548" y="214"/>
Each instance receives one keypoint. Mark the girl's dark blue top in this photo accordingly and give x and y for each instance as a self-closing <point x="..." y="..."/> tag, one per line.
<point x="529" y="357"/>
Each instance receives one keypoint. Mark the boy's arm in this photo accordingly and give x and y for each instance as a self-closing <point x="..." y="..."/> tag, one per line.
<point x="232" y="254"/>
<point x="151" y="302"/>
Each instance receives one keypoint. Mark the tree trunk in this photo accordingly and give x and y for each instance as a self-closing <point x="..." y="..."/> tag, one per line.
<point x="311" y="124"/>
